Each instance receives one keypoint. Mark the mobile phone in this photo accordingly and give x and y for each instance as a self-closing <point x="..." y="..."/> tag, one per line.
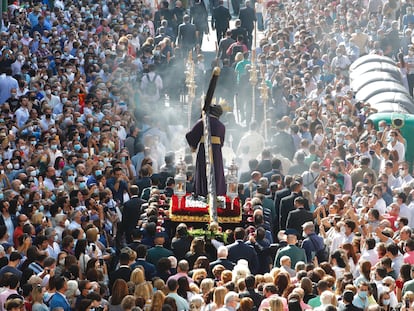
<point x="407" y="303"/>
<point x="92" y="151"/>
<point x="101" y="261"/>
<point x="124" y="159"/>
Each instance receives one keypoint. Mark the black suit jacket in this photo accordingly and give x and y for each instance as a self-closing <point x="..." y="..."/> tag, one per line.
<point x="130" y="216"/>
<point x="223" y="46"/>
<point x="240" y="250"/>
<point x="297" y="218"/>
<point x="187" y="35"/>
<point x="256" y="297"/>
<point x="264" y="166"/>
<point x="247" y="17"/>
<point x="220" y="18"/>
<point x="122" y="273"/>
<point x="278" y="197"/>
<point x="180" y="246"/>
<point x="239" y="31"/>
<point x="287" y="205"/>
<point x="351" y="307"/>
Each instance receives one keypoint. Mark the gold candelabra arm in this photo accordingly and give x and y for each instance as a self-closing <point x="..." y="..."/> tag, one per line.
<point x="264" y="90"/>
<point x="253" y="74"/>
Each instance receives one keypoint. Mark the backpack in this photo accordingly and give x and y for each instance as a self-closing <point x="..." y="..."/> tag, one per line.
<point x="151" y="88"/>
<point x="234" y="50"/>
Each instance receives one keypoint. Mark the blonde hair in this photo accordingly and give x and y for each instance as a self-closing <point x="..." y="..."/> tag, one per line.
<point x="206" y="285"/>
<point x="159" y="284"/>
<point x="276" y="304"/>
<point x="275" y="272"/>
<point x="137" y="276"/>
<point x="226" y="276"/>
<point x="218" y="295"/>
<point x="143" y="290"/>
<point x="37" y="218"/>
<point x="37" y="294"/>
<point x="199" y="272"/>
<point x="157" y="301"/>
<point x="239" y="57"/>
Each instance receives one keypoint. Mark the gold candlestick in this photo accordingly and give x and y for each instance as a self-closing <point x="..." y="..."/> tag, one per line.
<point x="264" y="96"/>
<point x="191" y="85"/>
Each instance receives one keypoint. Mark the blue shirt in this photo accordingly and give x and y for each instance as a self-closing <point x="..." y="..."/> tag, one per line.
<point x="123" y="187"/>
<point x="6" y="84"/>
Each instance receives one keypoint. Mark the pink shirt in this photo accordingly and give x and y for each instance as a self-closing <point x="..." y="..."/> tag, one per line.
<point x="265" y="302"/>
<point x="409" y="257"/>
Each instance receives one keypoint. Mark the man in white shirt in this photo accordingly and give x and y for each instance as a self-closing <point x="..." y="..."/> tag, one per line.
<point x="49" y="179"/>
<point x="53" y="248"/>
<point x="404" y="178"/>
<point x="22" y="114"/>
<point x="395" y="144"/>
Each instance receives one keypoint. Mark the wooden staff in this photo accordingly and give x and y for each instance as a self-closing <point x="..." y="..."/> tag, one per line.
<point x="210" y="174"/>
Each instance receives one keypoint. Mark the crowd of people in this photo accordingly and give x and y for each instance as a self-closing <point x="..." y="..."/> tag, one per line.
<point x="87" y="167"/>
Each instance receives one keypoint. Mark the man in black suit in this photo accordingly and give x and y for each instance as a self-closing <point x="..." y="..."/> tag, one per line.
<point x="279" y="195"/>
<point x="222" y="253"/>
<point x="239" y="31"/>
<point x="123" y="272"/>
<point x="225" y="44"/>
<point x="265" y="164"/>
<point x="276" y="169"/>
<point x="299" y="216"/>
<point x="220" y="20"/>
<point x="247" y="17"/>
<point x="287" y="203"/>
<point x="136" y="235"/>
<point x="240" y="250"/>
<point x="246" y="176"/>
<point x="149" y="268"/>
<point x="187" y="37"/>
<point x="131" y="213"/>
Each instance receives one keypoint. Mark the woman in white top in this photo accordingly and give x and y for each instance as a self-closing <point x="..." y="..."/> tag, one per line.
<point x="339" y="263"/>
<point x="352" y="258"/>
<point x="81" y="256"/>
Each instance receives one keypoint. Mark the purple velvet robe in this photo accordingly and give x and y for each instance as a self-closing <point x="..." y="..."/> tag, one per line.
<point x="193" y="138"/>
